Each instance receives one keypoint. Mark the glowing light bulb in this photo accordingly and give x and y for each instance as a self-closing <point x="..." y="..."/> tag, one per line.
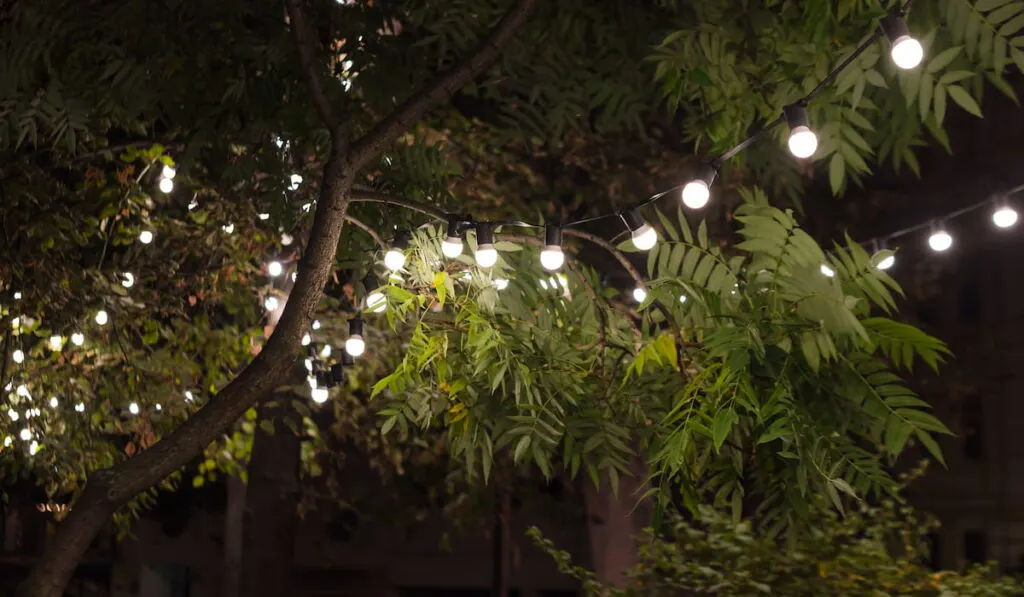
<point x="311" y="380"/>
<point x="25" y="434"/>
<point x="16" y="322"/>
<point x="274" y="269"/>
<point x="294" y="181"/>
<point x="552" y="258"/>
<point x="33" y="448"/>
<point x="696" y="194"/>
<point x="286" y="239"/>
<point x="166" y="185"/>
<point x="827" y="271"/>
<point x="23" y="391"/>
<point x="54" y="402"/>
<point x="500" y="283"/>
<point x="886" y="262"/>
<point x="355" y="345"/>
<point x="18" y="356"/>
<point x="907" y="52"/>
<point x="158" y="407"/>
<point x="803" y="142"/>
<point x="8" y="440"/>
<point x="193" y="204"/>
<point x="17" y="296"/>
<point x="320" y="395"/>
<point x="78" y="338"/>
<point x="306" y="340"/>
<point x="271" y="303"/>
<point x="13" y="414"/>
<point x="645" y="237"/>
<point x="451" y="247"/>
<point x="145" y="237"/>
<point x="189" y="397"/>
<point x="682" y="298"/>
<point x="376" y="302"/>
<point x="394" y="259"/>
<point x="1004" y="217"/>
<point x="229" y="228"/>
<point x="264" y="216"/>
<point x="308" y="364"/>
<point x="133" y="408"/>
<point x="639" y="294"/>
<point x="56" y="342"/>
<point x="486" y="255"/>
<point x="101" y="317"/>
<point x="940" y="241"/>
<point x="168" y="171"/>
<point x="80" y="408"/>
<point x="316" y="324"/>
<point x="127" y="279"/>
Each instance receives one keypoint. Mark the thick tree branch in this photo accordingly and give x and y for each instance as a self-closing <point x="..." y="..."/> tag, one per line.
<point x="443" y="87"/>
<point x="305" y="42"/>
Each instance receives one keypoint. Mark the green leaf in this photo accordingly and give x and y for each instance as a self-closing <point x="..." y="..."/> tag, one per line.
<point x="836" y="172"/>
<point x="524" y="443"/>
<point x="845" y="487"/>
<point x="964" y="99"/>
<point x="987" y="5"/>
<point x="939" y="103"/>
<point x="722" y="425"/>
<point x="943" y="59"/>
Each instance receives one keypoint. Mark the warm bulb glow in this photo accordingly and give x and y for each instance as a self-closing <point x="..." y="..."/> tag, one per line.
<point x="229" y="228"/>
<point x="166" y="185"/>
<point x="127" y="279"/>
<point x="552" y="258"/>
<point x="274" y="269"/>
<point x="645" y="237"/>
<point x="13" y="414"/>
<point x="803" y="142"/>
<point x="54" y="402"/>
<point x="80" y="408"/>
<point x="394" y="260"/>
<point x="145" y="237"/>
<point x="264" y="216"/>
<point x="306" y="340"/>
<point x="696" y="194"/>
<point x="18" y="355"/>
<point x="294" y="181"/>
<point x="320" y="395"/>
<point x="325" y="352"/>
<point x="451" y="247"/>
<point x="940" y="241"/>
<point x="101" y="317"/>
<point x="355" y="345"/>
<point x="56" y="342"/>
<point x="133" y="408"/>
<point x="26" y="434"/>
<point x="827" y="271"/>
<point x="168" y="172"/>
<point x="887" y="262"/>
<point x="78" y="338"/>
<point x="286" y="239"/>
<point x="23" y="391"/>
<point x="1004" y="217"/>
<point x="682" y="298"/>
<point x="486" y="256"/>
<point x="376" y="302"/>
<point x="271" y="303"/>
<point x="907" y="52"/>
<point x="639" y="294"/>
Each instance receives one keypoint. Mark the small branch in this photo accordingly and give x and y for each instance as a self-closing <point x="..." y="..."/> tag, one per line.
<point x="619" y="255"/>
<point x="364" y="196"/>
<point x="306" y="45"/>
<point x="367" y="229"/>
<point x="443" y="87"/>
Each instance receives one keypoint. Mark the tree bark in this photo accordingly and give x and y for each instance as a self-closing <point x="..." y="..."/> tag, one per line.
<point x="502" y="540"/>
<point x="109" y="489"/>
<point x="613" y="521"/>
<point x="270" y="499"/>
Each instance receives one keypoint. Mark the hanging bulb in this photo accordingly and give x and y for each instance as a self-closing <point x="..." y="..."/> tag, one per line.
<point x="127" y="279"/>
<point x="552" y="258"/>
<point x="166" y="185"/>
<point x="54" y="402"/>
<point x="320" y="395"/>
<point x="18" y="356"/>
<point x="697" y="192"/>
<point x="906" y="52"/>
<point x="26" y="434"/>
<point x="101" y="317"/>
<point x="827" y="271"/>
<point x="80" y="408"/>
<point x="271" y="303"/>
<point x="264" y="216"/>
<point x="274" y="269"/>
<point x="145" y="237"/>
<point x="375" y="299"/>
<point x="886" y="262"/>
<point x="78" y="338"/>
<point x="294" y="181"/>
<point x="168" y="171"/>
<point x="486" y="255"/>
<point x="644" y="237"/>
<point x="452" y="245"/>
<point x="355" y="345"/>
<point x="306" y="340"/>
<point x="639" y="294"/>
<point x="802" y="140"/>
<point x="940" y="240"/>
<point x="394" y="259"/>
<point x="228" y="228"/>
<point x="133" y="408"/>
<point x="189" y="396"/>
<point x="56" y="342"/>
<point x="1004" y="216"/>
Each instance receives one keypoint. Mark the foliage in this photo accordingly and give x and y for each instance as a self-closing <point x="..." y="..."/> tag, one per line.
<point x="874" y="550"/>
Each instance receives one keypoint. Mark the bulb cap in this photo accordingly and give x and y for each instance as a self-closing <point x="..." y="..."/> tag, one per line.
<point x="355" y="326"/>
<point x="796" y="116"/>
<point x="484" y="234"/>
<point x="893" y="28"/>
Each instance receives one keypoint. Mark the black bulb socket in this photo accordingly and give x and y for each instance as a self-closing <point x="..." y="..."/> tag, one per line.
<point x="634" y="221"/>
<point x="553" y="235"/>
<point x="355" y="326"/>
<point x="894" y="27"/>
<point x="796" y="115"/>
<point x="485" y="233"/>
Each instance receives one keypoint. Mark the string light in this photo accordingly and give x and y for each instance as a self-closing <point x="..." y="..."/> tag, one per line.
<point x="552" y="258"/>
<point x="802" y="140"/>
<point x="25" y="434"/>
<point x="228" y="228"/>
<point x="394" y="259"/>
<point x="18" y="355"/>
<point x="1004" y="216"/>
<point x="354" y="344"/>
<point x="101" y="317"/>
<point x="166" y="185"/>
<point x="80" y="408"/>
<point x="452" y="245"/>
<point x="274" y="269"/>
<point x="13" y="414"/>
<point x="33" y="448"/>
<point x="264" y="216"/>
<point x="145" y="237"/>
<point x="827" y="271"/>
<point x="697" y="192"/>
<point x="23" y="391"/>
<point x="940" y="240"/>
<point x="168" y="171"/>
<point x="286" y="239"/>
<point x="644" y="237"/>
<point x="639" y="294"/>
<point x="189" y="397"/>
<point x="56" y="342"/>
<point x="294" y="181"/>
<point x="486" y="255"/>
<point x="133" y="408"/>
<point x="500" y="283"/>
<point x="325" y="352"/>
<point x="78" y="338"/>
<point x="375" y="299"/>
<point x="127" y="279"/>
<point x="906" y="52"/>
<point x="320" y="395"/>
<point x="54" y="402"/>
<point x="271" y="303"/>
<point x="316" y="324"/>
<point x="306" y="340"/>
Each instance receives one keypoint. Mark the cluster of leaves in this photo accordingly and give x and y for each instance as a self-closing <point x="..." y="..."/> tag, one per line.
<point x="873" y="550"/>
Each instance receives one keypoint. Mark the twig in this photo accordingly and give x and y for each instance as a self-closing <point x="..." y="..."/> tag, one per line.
<point x="305" y="42"/>
<point x="367" y="229"/>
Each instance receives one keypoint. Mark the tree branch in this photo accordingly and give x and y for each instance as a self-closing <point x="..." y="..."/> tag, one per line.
<point x="369" y="230"/>
<point x="306" y="44"/>
<point x="607" y="246"/>
<point x="365" y="196"/>
<point x="443" y="87"/>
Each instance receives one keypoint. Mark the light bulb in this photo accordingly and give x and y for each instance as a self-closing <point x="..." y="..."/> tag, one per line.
<point x="552" y="258"/>
<point x="940" y="241"/>
<point x="17" y="296"/>
<point x="486" y="255"/>
<point x="15" y="323"/>
<point x="145" y="237"/>
<point x="306" y="340"/>
<point x="264" y="216"/>
<point x="13" y="414"/>
<point x="78" y="338"/>
<point x="308" y="364"/>
<point x="166" y="185"/>
<point x="803" y="142"/>
<point x="79" y="408"/>
<point x="133" y="408"/>
<point x="316" y="324"/>
<point x="189" y="397"/>
<point x="355" y="345"/>
<point x="33" y="448"/>
<point x="907" y="52"/>
<point x="886" y="262"/>
<point x="320" y="395"/>
<point x="394" y="259"/>
<point x="451" y="247"/>
<point x="158" y="407"/>
<point x="18" y="355"/>
<point x="376" y="301"/>
<point x="682" y="298"/>
<point x="54" y="402"/>
<point x="286" y="239"/>
<point x="271" y="303"/>
<point x="294" y="181"/>
<point x="696" y="194"/>
<point x="274" y="269"/>
<point x="127" y="279"/>
<point x="26" y="434"/>
<point x="325" y="352"/>
<point x="193" y="204"/>
<point x="645" y="237"/>
<point x="1004" y="217"/>
<point x="101" y="317"/>
<point x="23" y="391"/>
<point x="229" y="228"/>
<point x="168" y="171"/>
<point x="56" y="342"/>
<point x="500" y="283"/>
<point x="827" y="271"/>
<point x="639" y="294"/>
<point x="311" y="380"/>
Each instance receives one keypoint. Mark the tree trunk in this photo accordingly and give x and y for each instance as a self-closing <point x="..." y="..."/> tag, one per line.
<point x="108" y="490"/>
<point x="272" y="493"/>
<point x="614" y="521"/>
<point x="233" y="530"/>
<point x="502" y="541"/>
